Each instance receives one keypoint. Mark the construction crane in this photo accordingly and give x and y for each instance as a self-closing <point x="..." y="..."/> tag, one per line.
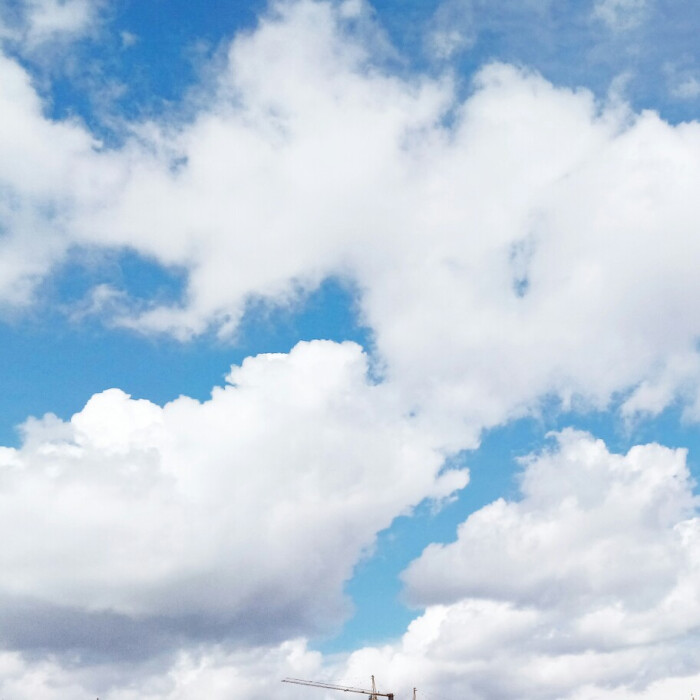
<point x="373" y="694"/>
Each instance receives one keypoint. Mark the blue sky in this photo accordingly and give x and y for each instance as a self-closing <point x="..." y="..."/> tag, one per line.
<point x="349" y="338"/>
<point x="651" y="48"/>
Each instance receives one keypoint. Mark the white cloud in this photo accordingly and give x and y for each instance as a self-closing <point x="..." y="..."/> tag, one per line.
<point x="682" y="80"/>
<point x="48" y="171"/>
<point x="541" y="245"/>
<point x="621" y="15"/>
<point x="479" y="649"/>
<point x="509" y="244"/>
<point x="585" y="589"/>
<point x="348" y="170"/>
<point x="590" y="581"/>
<point x="35" y="25"/>
<point x="210" y="670"/>
<point x="242" y="515"/>
<point x="47" y="19"/>
<point x="687" y="89"/>
<point x="452" y="29"/>
<point x="129" y="39"/>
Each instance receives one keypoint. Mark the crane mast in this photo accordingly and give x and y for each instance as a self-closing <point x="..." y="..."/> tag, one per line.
<point x="373" y="694"/>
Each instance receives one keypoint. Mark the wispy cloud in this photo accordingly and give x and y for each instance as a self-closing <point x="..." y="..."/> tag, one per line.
<point x="621" y="15"/>
<point x="31" y="24"/>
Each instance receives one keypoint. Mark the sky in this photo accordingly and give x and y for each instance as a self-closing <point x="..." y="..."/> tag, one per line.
<point x="345" y="338"/>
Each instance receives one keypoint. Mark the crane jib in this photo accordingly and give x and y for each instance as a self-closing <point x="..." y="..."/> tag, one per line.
<point x="346" y="689"/>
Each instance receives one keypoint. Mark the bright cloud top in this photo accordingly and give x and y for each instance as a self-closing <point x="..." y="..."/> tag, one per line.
<point x="539" y="224"/>
<point x="247" y="511"/>
<point x="590" y="580"/>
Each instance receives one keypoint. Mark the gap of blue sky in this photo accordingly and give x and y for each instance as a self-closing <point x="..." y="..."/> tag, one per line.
<point x="380" y="613"/>
<point x="54" y="364"/>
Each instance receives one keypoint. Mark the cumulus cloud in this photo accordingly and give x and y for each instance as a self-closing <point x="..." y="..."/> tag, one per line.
<point x="209" y="670"/>
<point x="525" y="242"/>
<point x="508" y="244"/>
<point x="239" y="517"/>
<point x="479" y="649"/>
<point x="589" y="581"/>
